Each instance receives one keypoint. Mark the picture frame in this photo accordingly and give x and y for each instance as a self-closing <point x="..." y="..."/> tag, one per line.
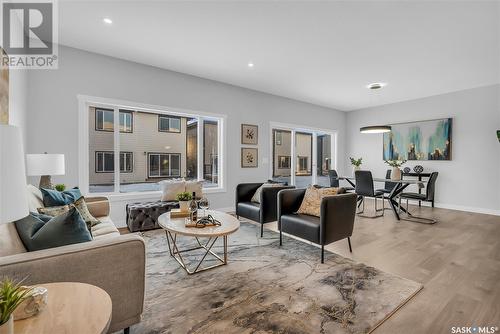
<point x="249" y="157"/>
<point x="249" y="134"/>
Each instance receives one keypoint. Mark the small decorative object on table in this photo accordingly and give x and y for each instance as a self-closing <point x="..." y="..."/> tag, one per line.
<point x="34" y="304"/>
<point x="204" y="204"/>
<point x="193" y="208"/>
<point x="60" y="187"/>
<point x="406" y="170"/>
<point x="12" y="294"/>
<point x="395" y="164"/>
<point x="184" y="199"/>
<point x="418" y="169"/>
<point x="356" y="163"/>
<point x="203" y="222"/>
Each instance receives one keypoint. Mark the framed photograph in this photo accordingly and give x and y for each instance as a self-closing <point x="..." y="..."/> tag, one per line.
<point x="249" y="157"/>
<point x="249" y="134"/>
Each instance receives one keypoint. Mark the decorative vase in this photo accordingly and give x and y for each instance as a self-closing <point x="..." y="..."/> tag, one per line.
<point x="418" y="169"/>
<point x="32" y="305"/>
<point x="8" y="327"/>
<point x="354" y="169"/>
<point x="184" y="205"/>
<point x="396" y="173"/>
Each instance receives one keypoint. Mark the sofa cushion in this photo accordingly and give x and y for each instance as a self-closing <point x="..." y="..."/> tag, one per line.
<point x="311" y="204"/>
<point x="35" y="198"/>
<point x="105" y="229"/>
<point x="171" y="188"/>
<point x="303" y="226"/>
<point x="54" y="210"/>
<point x="58" y="198"/>
<point x="249" y="210"/>
<point x="10" y="243"/>
<point x="65" y="229"/>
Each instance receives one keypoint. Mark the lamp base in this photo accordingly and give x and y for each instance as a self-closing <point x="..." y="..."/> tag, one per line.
<point x="45" y="182"/>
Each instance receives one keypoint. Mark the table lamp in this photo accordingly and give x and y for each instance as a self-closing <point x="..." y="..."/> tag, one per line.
<point x="45" y="165"/>
<point x="13" y="196"/>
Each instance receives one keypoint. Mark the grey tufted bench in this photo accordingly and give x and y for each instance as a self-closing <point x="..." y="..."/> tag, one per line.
<point x="144" y="216"/>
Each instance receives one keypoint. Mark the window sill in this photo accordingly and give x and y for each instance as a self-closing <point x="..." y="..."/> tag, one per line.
<point x="138" y="195"/>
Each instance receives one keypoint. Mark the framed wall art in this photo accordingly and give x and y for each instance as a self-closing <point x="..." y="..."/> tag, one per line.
<point x="249" y="134"/>
<point x="249" y="157"/>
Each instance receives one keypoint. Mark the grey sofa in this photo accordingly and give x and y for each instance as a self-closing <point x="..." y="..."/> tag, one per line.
<point x="113" y="262"/>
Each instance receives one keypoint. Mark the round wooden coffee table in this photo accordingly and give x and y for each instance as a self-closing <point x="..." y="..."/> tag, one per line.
<point x="176" y="226"/>
<point x="75" y="308"/>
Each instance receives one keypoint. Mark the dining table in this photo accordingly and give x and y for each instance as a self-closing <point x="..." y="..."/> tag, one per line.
<point x="399" y="187"/>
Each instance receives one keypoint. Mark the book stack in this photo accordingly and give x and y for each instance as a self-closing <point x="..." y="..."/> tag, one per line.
<point x="177" y="213"/>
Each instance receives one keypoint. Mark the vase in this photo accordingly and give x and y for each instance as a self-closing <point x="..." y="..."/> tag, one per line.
<point x="184" y="206"/>
<point x="8" y="327"/>
<point x="396" y="173"/>
<point x="354" y="169"/>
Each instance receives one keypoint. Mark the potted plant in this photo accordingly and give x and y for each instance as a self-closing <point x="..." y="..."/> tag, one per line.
<point x="395" y="164"/>
<point x="60" y="187"/>
<point x="356" y="164"/>
<point x="184" y="198"/>
<point x="12" y="294"/>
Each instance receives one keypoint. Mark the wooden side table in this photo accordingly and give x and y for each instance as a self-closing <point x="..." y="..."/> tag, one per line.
<point x="75" y="308"/>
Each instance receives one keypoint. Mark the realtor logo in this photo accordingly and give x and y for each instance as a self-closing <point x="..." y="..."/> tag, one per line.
<point x="29" y="33"/>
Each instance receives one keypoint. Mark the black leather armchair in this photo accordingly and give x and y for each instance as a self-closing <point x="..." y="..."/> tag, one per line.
<point x="336" y="219"/>
<point x="263" y="212"/>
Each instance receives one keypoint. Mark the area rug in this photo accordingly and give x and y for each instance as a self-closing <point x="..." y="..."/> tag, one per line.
<point x="266" y="288"/>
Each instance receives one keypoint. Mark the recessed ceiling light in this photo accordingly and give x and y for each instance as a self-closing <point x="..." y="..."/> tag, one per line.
<point x="107" y="20"/>
<point x="376" y="85"/>
<point x="250" y="64"/>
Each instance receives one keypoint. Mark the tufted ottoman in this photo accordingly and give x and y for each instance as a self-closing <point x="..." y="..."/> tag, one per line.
<point x="144" y="216"/>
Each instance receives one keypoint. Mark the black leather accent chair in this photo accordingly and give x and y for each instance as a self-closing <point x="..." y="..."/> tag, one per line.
<point x="429" y="192"/>
<point x="336" y="219"/>
<point x="334" y="180"/>
<point x="263" y="212"/>
<point x="364" y="188"/>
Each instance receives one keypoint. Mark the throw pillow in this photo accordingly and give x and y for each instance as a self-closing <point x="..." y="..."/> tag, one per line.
<point x="42" y="217"/>
<point x="54" y="211"/>
<point x="35" y="197"/>
<point x="256" y="195"/>
<point x="171" y="188"/>
<point x="82" y="208"/>
<point x="195" y="187"/>
<point x="66" y="229"/>
<point x="56" y="198"/>
<point x="311" y="204"/>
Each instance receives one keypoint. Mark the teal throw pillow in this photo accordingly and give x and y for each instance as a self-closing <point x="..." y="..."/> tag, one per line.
<point x="57" y="198"/>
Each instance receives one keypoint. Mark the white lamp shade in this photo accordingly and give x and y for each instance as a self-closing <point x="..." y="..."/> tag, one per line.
<point x="45" y="164"/>
<point x="13" y="193"/>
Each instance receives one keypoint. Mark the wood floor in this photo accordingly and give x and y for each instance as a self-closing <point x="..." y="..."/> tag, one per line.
<point x="457" y="260"/>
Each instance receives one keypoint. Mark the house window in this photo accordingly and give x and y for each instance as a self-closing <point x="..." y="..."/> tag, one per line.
<point x="279" y="137"/>
<point x="104" y="120"/>
<point x="105" y="162"/>
<point x="302" y="164"/>
<point x="164" y="164"/>
<point x="169" y="124"/>
<point x="283" y="162"/>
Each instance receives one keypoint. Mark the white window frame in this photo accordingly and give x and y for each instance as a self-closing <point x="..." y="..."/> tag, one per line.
<point x="159" y="168"/>
<point x="169" y="118"/>
<point x="86" y="101"/>
<point x="293" y="128"/>
<point x="122" y="112"/>
<point x="122" y="155"/>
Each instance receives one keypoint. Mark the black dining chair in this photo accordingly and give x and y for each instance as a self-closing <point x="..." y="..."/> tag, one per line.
<point x="364" y="188"/>
<point x="388" y="185"/>
<point x="427" y="197"/>
<point x="334" y="180"/>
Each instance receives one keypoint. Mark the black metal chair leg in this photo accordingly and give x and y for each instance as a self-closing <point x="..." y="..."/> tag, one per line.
<point x="349" y="241"/>
<point x="126" y="330"/>
<point x="322" y="254"/>
<point x="261" y="230"/>
<point x="281" y="238"/>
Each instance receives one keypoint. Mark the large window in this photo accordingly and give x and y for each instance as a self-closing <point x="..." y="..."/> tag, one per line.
<point x="153" y="146"/>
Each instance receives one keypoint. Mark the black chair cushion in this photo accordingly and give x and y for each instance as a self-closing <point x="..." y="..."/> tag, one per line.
<point x="302" y="226"/>
<point x="385" y="191"/>
<point x="249" y="210"/>
<point x="418" y="196"/>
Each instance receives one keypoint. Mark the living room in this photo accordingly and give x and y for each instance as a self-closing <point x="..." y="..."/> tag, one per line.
<point x="343" y="158"/>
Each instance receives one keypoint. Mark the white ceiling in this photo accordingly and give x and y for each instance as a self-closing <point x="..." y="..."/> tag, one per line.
<point x="319" y="52"/>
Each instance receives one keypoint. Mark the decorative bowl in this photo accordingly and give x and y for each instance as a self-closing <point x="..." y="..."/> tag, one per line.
<point x="406" y="170"/>
<point x="418" y="169"/>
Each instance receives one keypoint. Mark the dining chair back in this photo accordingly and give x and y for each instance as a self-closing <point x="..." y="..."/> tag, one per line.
<point x="431" y="187"/>
<point x="364" y="183"/>
<point x="334" y="181"/>
<point x="389" y="185"/>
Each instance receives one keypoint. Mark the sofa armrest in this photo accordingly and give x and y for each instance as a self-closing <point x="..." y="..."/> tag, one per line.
<point x="116" y="265"/>
<point x="245" y="191"/>
<point x="269" y="203"/>
<point x="337" y="214"/>
<point x="98" y="206"/>
<point x="289" y="201"/>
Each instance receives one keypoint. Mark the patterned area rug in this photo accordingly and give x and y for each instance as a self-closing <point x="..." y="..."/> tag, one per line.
<point x="267" y="289"/>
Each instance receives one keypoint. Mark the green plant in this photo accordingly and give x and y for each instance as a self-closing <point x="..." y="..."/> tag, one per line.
<point x="356" y="162"/>
<point x="395" y="163"/>
<point x="60" y="187"/>
<point x="11" y="295"/>
<point x="185" y="196"/>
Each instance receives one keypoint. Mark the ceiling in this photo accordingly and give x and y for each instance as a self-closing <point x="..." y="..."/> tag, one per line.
<point x="319" y="52"/>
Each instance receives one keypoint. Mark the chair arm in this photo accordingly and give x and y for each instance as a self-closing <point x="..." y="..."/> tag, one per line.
<point x="245" y="191"/>
<point x="269" y="203"/>
<point x="289" y="201"/>
<point x="115" y="264"/>
<point x="98" y="206"/>
<point x="337" y="216"/>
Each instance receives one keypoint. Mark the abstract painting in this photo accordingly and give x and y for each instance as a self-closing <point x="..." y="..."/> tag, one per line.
<point x="249" y="157"/>
<point x="4" y="91"/>
<point x="424" y="140"/>
<point x="249" y="134"/>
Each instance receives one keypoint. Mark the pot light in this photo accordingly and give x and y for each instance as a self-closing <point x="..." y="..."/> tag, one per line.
<point x="107" y="20"/>
<point x="375" y="129"/>
<point x="376" y="85"/>
<point x="250" y="64"/>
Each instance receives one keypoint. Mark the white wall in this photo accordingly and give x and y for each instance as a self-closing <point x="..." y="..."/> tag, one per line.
<point x="53" y="111"/>
<point x="471" y="181"/>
